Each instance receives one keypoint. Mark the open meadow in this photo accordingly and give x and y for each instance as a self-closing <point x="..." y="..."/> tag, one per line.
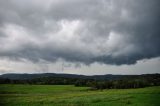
<point x="69" y="95"/>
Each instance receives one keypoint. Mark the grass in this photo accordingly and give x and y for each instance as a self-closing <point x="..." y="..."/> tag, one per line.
<point x="68" y="95"/>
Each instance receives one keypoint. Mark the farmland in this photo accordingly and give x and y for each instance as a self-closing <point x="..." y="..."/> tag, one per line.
<point x="69" y="95"/>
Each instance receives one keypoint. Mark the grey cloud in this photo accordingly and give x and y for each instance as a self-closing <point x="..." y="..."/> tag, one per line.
<point x="86" y="31"/>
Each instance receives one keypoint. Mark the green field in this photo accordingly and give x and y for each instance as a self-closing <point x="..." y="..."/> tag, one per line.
<point x="68" y="95"/>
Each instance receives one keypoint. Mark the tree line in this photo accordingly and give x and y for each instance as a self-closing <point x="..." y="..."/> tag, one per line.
<point x="122" y="83"/>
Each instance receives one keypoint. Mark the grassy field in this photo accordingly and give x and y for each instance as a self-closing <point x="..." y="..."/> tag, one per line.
<point x="68" y="95"/>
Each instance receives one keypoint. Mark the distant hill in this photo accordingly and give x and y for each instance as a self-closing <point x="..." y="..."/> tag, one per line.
<point x="97" y="77"/>
<point x="96" y="81"/>
<point x="32" y="76"/>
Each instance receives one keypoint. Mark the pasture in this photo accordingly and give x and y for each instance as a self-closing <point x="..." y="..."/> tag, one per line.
<point x="69" y="95"/>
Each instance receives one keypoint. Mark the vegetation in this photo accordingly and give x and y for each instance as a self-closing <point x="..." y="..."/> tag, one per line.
<point x="69" y="95"/>
<point x="64" y="90"/>
<point x="129" y="81"/>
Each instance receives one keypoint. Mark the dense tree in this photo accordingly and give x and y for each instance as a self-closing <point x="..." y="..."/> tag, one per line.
<point x="122" y="83"/>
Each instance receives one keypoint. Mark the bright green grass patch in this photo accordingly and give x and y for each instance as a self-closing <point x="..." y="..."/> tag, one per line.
<point x="69" y="95"/>
<point x="40" y="89"/>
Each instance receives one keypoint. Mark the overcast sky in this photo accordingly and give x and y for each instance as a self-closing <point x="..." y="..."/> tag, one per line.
<point x="80" y="36"/>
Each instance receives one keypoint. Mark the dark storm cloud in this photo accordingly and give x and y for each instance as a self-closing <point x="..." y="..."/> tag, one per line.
<point x="87" y="31"/>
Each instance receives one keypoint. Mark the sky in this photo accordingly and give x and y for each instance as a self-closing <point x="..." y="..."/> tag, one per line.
<point x="80" y="36"/>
